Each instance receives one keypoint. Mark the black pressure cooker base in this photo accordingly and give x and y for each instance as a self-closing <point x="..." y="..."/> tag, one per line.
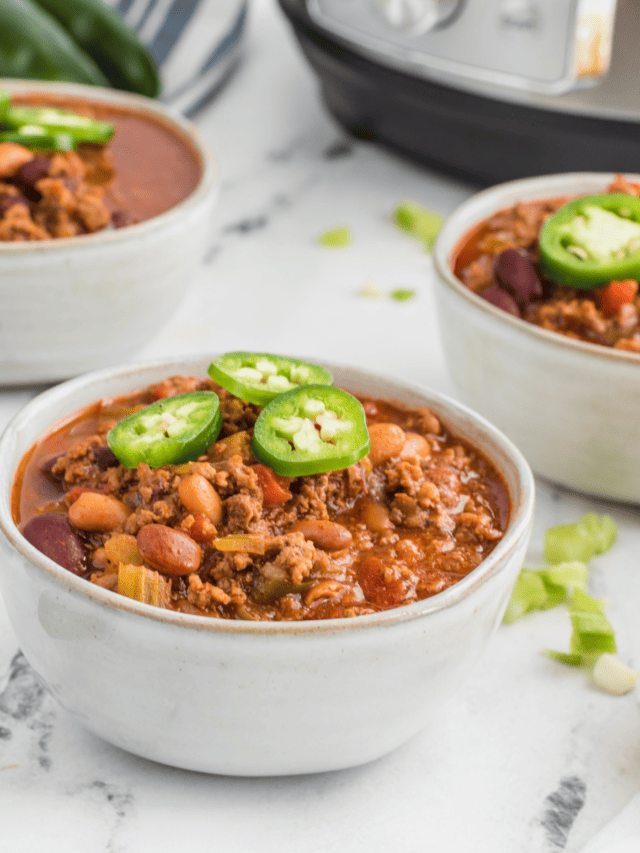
<point x="474" y="137"/>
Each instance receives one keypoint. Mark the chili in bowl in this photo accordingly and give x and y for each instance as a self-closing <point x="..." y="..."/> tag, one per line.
<point x="536" y="293"/>
<point x="105" y="209"/>
<point x="303" y="579"/>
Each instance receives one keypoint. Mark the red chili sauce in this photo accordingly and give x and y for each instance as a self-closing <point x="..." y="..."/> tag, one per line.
<point x="145" y="169"/>
<point x="415" y="516"/>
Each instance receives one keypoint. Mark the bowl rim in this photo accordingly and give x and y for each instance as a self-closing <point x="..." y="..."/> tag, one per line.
<point x="207" y="185"/>
<point x="491" y="200"/>
<point x="521" y="511"/>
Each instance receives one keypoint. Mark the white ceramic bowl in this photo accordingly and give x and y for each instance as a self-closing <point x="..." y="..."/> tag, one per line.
<point x="251" y="698"/>
<point x="573" y="408"/>
<point x="75" y="304"/>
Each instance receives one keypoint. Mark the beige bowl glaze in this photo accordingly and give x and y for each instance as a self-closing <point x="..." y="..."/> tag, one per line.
<point x="75" y="304"/>
<point x="573" y="408"/>
<point x="251" y="698"/>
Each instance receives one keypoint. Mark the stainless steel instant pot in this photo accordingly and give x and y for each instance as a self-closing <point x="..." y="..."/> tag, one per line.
<point x="487" y="89"/>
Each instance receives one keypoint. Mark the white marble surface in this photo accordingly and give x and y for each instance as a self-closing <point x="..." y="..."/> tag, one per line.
<point x="526" y="757"/>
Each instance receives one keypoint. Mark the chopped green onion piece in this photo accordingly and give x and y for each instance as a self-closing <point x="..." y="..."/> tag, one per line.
<point x="335" y="238"/>
<point x="402" y="295"/>
<point x="603" y="529"/>
<point x="529" y="593"/>
<point x="592" y="534"/>
<point x="564" y="657"/>
<point x="418" y="221"/>
<point x="372" y="290"/>
<point x="613" y="676"/>
<point x="542" y="589"/>
<point x="592" y="632"/>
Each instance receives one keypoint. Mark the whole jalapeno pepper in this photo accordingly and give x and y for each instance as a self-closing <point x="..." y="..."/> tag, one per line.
<point x="592" y="240"/>
<point x="33" y="45"/>
<point x="258" y="377"/>
<point x="310" y="430"/>
<point x="115" y="48"/>
<point x="168" y="432"/>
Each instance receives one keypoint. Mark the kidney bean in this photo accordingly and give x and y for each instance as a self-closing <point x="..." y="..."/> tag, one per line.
<point x="328" y="535"/>
<point x="171" y="551"/>
<point x="501" y="299"/>
<point x="47" y="467"/>
<point x="95" y="511"/>
<point x="104" y="457"/>
<point x="517" y="274"/>
<point x="33" y="170"/>
<point x="8" y="200"/>
<point x="51" y="534"/>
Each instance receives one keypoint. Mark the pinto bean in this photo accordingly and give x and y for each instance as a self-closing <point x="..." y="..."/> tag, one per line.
<point x="416" y="445"/>
<point x="198" y="496"/>
<point x="375" y="515"/>
<point x="51" y="534"/>
<point x="95" y="511"/>
<point x="171" y="551"/>
<point x="387" y="441"/>
<point x="328" y="535"/>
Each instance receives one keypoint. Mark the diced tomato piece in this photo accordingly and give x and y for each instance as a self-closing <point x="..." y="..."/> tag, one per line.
<point x="617" y="294"/>
<point x="275" y="491"/>
<point x="379" y="588"/>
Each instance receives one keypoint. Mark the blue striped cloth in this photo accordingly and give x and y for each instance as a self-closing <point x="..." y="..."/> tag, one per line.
<point x="195" y="42"/>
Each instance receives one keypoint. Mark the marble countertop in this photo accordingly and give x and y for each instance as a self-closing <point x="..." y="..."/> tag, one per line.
<point x="527" y="757"/>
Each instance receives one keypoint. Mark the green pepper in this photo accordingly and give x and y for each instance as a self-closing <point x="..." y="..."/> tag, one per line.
<point x="51" y="120"/>
<point x="113" y="45"/>
<point x="309" y="430"/>
<point x="168" y="432"/>
<point x="258" y="377"/>
<point x="592" y="241"/>
<point x="34" y="46"/>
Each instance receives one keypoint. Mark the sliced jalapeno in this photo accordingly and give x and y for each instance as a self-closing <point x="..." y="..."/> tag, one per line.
<point x="592" y="241"/>
<point x="52" y="120"/>
<point x="310" y="430"/>
<point x="168" y="432"/>
<point x="258" y="377"/>
<point x="38" y="138"/>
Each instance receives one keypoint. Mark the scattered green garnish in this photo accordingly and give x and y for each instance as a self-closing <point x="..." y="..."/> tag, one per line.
<point x="583" y="539"/>
<point x="402" y="294"/>
<point x="335" y="238"/>
<point x="592" y="632"/>
<point x="372" y="290"/>
<point x="568" y="548"/>
<point x="541" y="589"/>
<point x="421" y="223"/>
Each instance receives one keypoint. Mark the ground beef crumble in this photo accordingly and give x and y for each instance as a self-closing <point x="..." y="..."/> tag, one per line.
<point x="337" y="544"/>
